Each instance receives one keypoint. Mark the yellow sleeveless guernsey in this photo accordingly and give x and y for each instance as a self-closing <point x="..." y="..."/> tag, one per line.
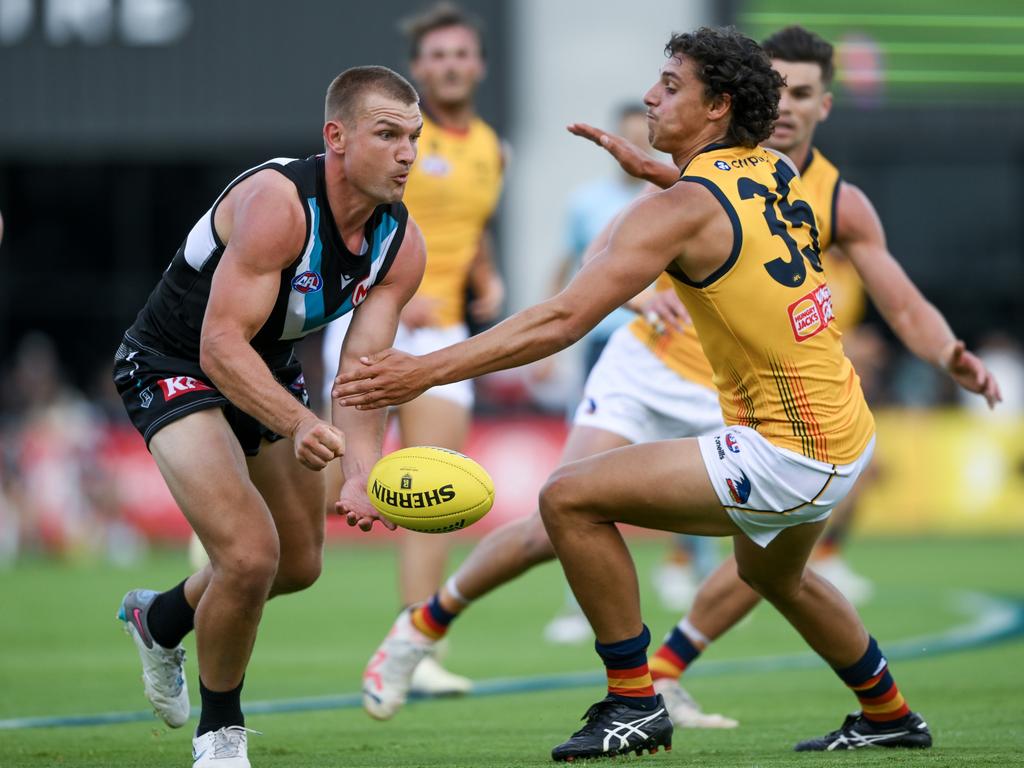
<point x="820" y="180"/>
<point x="765" y="316"/>
<point x="682" y="351"/>
<point x="452" y="191"/>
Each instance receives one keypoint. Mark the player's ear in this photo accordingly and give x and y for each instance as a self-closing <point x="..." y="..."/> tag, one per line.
<point x="826" y="107"/>
<point x="334" y="136"/>
<point x="719" y="106"/>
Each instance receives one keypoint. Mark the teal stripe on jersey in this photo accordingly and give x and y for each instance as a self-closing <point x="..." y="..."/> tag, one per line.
<point x="377" y="253"/>
<point x="314" y="300"/>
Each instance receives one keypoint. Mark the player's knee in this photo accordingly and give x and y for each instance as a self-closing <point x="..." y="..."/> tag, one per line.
<point x="772" y="588"/>
<point x="297" y="574"/>
<point x="250" y="567"/>
<point x="555" y="500"/>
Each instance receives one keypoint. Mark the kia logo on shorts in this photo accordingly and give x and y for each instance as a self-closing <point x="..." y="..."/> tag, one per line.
<point x="308" y="282"/>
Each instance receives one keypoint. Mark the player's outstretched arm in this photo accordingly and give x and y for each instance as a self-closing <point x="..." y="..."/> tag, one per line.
<point x="917" y="323"/>
<point x="373" y="328"/>
<point x="633" y="160"/>
<point x="649" y="236"/>
<point x="265" y="228"/>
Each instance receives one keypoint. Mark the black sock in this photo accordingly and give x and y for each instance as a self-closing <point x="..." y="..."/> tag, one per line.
<point x="170" y="617"/>
<point x="221" y="709"/>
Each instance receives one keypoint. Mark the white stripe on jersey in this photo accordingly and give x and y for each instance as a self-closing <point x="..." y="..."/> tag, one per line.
<point x="201" y="242"/>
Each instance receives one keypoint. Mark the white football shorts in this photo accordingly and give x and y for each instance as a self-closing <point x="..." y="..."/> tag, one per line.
<point x="634" y="394"/>
<point x="416" y="342"/>
<point x="766" y="489"/>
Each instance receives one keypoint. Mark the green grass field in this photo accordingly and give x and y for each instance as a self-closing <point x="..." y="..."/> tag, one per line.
<point x="62" y="653"/>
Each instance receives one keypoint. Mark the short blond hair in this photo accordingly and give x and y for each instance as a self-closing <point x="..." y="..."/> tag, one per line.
<point x="346" y="91"/>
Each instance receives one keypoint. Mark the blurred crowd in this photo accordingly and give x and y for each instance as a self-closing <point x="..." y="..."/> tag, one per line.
<point x="75" y="481"/>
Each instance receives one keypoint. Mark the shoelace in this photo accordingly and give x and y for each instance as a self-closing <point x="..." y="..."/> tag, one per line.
<point x="228" y="741"/>
<point x="593" y="713"/>
<point x="841" y="731"/>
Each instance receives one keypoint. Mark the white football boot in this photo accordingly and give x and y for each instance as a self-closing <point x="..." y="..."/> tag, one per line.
<point x="163" y="669"/>
<point x="223" y="748"/>
<point x="569" y="628"/>
<point x="855" y="588"/>
<point x="431" y="679"/>
<point x="388" y="675"/>
<point x="684" y="711"/>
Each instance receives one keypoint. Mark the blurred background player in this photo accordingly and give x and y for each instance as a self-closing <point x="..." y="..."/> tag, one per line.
<point x="591" y="207"/>
<point x="452" y="193"/>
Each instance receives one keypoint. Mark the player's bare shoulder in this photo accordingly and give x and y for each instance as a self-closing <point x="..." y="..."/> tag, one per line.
<point x="856" y="218"/>
<point x="262" y="215"/>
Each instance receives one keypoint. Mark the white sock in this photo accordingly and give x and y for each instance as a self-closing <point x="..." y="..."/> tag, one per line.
<point x="693" y="634"/>
<point x="453" y="590"/>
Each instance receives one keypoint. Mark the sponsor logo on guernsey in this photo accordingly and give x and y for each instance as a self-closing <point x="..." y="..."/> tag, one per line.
<point x="731" y="442"/>
<point x="307" y="282"/>
<point x="435" y="165"/>
<point x="359" y="294"/>
<point x="750" y="161"/>
<point x="417" y="500"/>
<point x="811" y="314"/>
<point x="739" y="489"/>
<point x="722" y="165"/>
<point x="181" y="385"/>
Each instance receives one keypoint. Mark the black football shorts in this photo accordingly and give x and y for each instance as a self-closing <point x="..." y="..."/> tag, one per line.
<point x="158" y="389"/>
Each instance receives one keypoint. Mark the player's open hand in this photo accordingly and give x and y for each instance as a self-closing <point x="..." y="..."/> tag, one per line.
<point x="385" y="378"/>
<point x="355" y="505"/>
<point x="664" y="309"/>
<point x="317" y="443"/>
<point x="970" y="373"/>
<point x="633" y="160"/>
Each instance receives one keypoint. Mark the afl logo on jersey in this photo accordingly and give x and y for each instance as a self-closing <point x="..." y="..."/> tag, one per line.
<point x="722" y="165"/>
<point x="307" y="282"/>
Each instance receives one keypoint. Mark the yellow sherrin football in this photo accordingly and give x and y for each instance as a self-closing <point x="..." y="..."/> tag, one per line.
<point x="431" y="490"/>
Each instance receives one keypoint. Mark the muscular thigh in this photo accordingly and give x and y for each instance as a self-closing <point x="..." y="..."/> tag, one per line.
<point x="430" y="420"/>
<point x="783" y="560"/>
<point x="294" y="494"/>
<point x="205" y="470"/>
<point x="661" y="485"/>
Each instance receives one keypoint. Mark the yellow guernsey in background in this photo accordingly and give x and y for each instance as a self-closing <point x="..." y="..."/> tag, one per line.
<point x="452" y="191"/>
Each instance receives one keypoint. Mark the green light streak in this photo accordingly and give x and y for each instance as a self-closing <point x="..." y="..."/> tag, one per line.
<point x="882" y="20"/>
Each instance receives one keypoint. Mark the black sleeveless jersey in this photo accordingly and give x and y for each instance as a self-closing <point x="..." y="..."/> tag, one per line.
<point x="324" y="282"/>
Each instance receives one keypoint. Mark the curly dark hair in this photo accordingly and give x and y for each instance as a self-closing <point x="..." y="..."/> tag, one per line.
<point x="794" y="43"/>
<point x="732" y="63"/>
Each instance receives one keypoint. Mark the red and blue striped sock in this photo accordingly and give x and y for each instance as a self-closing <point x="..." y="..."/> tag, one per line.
<point x="869" y="679"/>
<point x="432" y="619"/>
<point x="676" y="653"/>
<point x="629" y="679"/>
